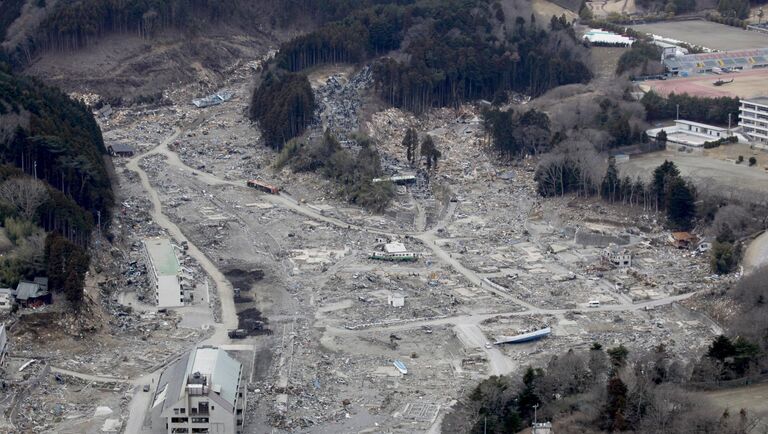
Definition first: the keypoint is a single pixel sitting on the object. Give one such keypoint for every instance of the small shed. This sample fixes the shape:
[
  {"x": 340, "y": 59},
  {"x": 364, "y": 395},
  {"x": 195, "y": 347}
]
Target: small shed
[
  {"x": 121, "y": 150},
  {"x": 31, "y": 294}
]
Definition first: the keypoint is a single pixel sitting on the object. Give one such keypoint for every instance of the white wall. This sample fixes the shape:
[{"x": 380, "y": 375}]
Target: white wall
[{"x": 169, "y": 292}]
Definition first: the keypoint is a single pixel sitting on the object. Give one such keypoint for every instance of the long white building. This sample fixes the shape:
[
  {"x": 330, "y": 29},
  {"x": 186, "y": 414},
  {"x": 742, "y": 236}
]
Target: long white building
[
  {"x": 202, "y": 392},
  {"x": 753, "y": 120},
  {"x": 164, "y": 272}
]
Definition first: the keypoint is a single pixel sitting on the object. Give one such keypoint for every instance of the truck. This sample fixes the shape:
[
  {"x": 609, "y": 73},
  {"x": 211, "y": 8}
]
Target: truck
[
  {"x": 237, "y": 334},
  {"x": 263, "y": 186}
]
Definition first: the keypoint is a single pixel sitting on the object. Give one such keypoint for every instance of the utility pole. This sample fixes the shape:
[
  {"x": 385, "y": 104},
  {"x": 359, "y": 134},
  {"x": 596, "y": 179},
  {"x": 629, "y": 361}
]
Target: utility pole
[
  {"x": 729, "y": 123},
  {"x": 535, "y": 407},
  {"x": 677, "y": 117}
]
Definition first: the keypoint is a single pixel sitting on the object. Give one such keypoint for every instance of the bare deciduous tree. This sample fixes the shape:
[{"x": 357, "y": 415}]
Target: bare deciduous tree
[{"x": 24, "y": 194}]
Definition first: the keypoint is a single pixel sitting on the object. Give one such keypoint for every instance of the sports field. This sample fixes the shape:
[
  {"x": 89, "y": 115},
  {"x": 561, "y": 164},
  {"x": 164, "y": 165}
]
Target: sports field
[
  {"x": 707, "y": 34},
  {"x": 747, "y": 84}
]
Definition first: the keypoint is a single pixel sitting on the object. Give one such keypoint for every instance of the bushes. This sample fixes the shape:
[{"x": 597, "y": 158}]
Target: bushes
[
  {"x": 353, "y": 174},
  {"x": 723, "y": 141},
  {"x": 693, "y": 108},
  {"x": 728, "y": 21},
  {"x": 640, "y": 55}
]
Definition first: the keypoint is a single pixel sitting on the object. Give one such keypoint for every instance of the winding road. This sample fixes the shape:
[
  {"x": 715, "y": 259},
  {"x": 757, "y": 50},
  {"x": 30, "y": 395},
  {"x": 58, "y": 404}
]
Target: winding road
[{"x": 466, "y": 325}]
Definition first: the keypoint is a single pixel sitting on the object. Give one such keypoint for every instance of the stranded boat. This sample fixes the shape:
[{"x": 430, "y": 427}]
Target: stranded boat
[
  {"x": 524, "y": 337},
  {"x": 401, "y": 367}
]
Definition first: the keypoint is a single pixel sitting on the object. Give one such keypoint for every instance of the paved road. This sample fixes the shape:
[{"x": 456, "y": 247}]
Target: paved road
[
  {"x": 466, "y": 324},
  {"x": 141, "y": 400},
  {"x": 473, "y": 337},
  {"x": 476, "y": 319}
]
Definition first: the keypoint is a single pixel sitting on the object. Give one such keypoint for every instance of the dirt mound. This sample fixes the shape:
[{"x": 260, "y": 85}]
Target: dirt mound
[
  {"x": 244, "y": 279},
  {"x": 252, "y": 321}
]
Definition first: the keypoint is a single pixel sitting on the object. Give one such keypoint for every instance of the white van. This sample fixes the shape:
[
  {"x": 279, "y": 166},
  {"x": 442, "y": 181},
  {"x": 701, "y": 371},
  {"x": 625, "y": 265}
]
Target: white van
[{"x": 594, "y": 303}]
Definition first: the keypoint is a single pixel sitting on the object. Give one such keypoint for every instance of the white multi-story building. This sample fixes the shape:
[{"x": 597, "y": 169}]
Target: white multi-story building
[
  {"x": 753, "y": 120},
  {"x": 202, "y": 392},
  {"x": 164, "y": 272}
]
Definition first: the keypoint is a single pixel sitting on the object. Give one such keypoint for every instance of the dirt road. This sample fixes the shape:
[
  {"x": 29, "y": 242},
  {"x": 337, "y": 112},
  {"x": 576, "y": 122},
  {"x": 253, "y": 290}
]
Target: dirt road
[{"x": 756, "y": 254}]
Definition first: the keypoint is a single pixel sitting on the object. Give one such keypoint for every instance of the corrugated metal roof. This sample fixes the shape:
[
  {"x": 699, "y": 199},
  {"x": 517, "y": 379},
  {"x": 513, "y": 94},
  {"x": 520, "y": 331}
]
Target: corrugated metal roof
[
  {"x": 27, "y": 290},
  {"x": 171, "y": 382},
  {"x": 220, "y": 368},
  {"x": 121, "y": 147}
]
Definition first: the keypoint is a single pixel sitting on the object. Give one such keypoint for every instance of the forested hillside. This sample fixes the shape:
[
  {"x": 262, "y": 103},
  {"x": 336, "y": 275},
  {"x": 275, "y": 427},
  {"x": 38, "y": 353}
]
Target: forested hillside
[
  {"x": 53, "y": 182},
  {"x": 463, "y": 50},
  {"x": 56, "y": 139},
  {"x": 430, "y": 53}
]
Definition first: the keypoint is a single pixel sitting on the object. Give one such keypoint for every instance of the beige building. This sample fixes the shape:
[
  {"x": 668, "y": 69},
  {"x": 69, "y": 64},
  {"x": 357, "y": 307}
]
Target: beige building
[{"x": 202, "y": 392}]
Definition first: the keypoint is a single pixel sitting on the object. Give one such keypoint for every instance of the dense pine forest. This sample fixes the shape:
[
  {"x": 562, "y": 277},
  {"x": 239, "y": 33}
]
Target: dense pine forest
[
  {"x": 53, "y": 183},
  {"x": 429, "y": 53},
  {"x": 56, "y": 140},
  {"x": 284, "y": 105}
]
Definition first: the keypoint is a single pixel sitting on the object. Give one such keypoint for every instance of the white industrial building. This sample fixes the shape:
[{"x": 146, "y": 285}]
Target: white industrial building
[
  {"x": 202, "y": 392},
  {"x": 164, "y": 272},
  {"x": 600, "y": 36},
  {"x": 753, "y": 120},
  {"x": 685, "y": 135}
]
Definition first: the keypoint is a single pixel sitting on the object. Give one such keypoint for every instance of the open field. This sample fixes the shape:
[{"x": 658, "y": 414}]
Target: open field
[
  {"x": 706, "y": 34},
  {"x": 753, "y": 398},
  {"x": 748, "y": 84},
  {"x": 605, "y": 7},
  {"x": 546, "y": 10},
  {"x": 710, "y": 171}
]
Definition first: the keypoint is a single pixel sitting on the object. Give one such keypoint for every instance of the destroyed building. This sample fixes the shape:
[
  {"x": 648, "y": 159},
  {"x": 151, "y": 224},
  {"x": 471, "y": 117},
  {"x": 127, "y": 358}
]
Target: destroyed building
[
  {"x": 121, "y": 150},
  {"x": 215, "y": 99},
  {"x": 201, "y": 392},
  {"x": 164, "y": 271},
  {"x": 6, "y": 300},
  {"x": 394, "y": 251},
  {"x": 616, "y": 256},
  {"x": 683, "y": 240},
  {"x": 33, "y": 294}
]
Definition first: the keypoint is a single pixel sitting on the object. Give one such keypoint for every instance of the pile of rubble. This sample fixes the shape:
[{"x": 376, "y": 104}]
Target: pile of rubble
[{"x": 340, "y": 101}]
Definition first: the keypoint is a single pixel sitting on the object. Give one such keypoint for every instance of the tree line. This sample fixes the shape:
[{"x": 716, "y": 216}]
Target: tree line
[
  {"x": 455, "y": 56},
  {"x": 53, "y": 179},
  {"x": 693, "y": 108},
  {"x": 74, "y": 24},
  {"x": 575, "y": 172},
  {"x": 284, "y": 105},
  {"x": 62, "y": 145},
  {"x": 607, "y": 390}
]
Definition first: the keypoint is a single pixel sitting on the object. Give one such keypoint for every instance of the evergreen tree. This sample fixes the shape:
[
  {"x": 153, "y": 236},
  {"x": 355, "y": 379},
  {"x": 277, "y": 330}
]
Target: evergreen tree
[
  {"x": 681, "y": 206},
  {"x": 615, "y": 405},
  {"x": 410, "y": 141},
  {"x": 610, "y": 187},
  {"x": 430, "y": 152}
]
